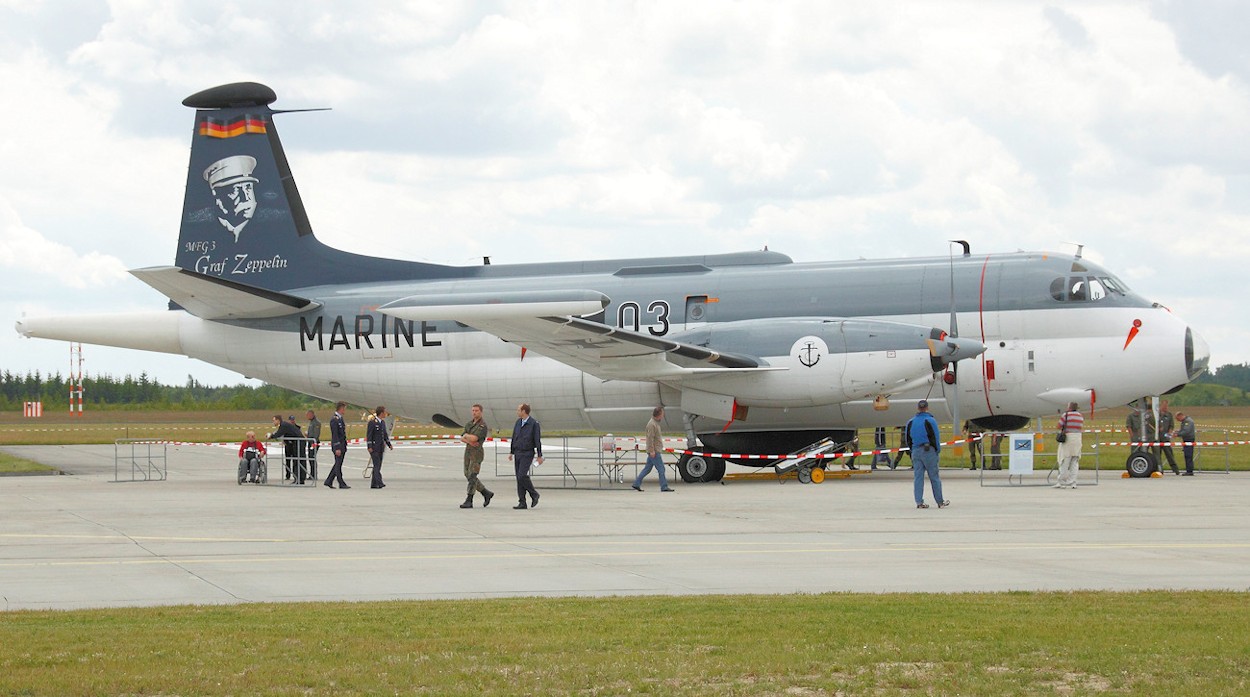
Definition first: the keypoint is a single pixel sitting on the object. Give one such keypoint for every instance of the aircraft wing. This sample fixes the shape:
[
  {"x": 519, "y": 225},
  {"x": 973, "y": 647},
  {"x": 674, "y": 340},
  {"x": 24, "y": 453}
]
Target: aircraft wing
[
  {"x": 548, "y": 323},
  {"x": 209, "y": 297}
]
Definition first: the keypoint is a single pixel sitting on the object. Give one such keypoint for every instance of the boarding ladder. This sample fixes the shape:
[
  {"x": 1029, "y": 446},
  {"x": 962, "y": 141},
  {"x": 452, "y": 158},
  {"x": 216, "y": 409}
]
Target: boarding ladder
[{"x": 803, "y": 460}]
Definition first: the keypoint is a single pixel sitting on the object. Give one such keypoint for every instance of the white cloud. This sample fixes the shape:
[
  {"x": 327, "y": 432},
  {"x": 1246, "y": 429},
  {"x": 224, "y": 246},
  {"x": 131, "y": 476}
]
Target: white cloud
[
  {"x": 54, "y": 264},
  {"x": 530, "y": 131}
]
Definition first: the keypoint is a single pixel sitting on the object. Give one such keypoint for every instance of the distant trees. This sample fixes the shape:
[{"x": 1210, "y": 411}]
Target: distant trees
[
  {"x": 108, "y": 392},
  {"x": 1232, "y": 375}
]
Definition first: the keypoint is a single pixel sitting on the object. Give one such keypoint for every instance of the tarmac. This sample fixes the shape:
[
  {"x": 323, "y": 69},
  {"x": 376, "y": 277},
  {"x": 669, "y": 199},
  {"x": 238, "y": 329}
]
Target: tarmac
[{"x": 196, "y": 537}]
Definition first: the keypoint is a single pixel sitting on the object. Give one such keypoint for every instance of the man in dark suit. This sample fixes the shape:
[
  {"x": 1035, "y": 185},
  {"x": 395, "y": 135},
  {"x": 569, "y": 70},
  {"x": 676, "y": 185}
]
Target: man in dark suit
[
  {"x": 338, "y": 444},
  {"x": 377, "y": 438},
  {"x": 289, "y": 434},
  {"x": 527, "y": 441}
]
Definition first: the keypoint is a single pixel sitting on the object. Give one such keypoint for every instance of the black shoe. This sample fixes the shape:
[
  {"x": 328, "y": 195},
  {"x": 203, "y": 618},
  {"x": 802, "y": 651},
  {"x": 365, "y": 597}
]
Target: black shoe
[
  {"x": 635, "y": 487},
  {"x": 344, "y": 486},
  {"x": 468, "y": 503},
  {"x": 1188, "y": 474},
  {"x": 534, "y": 503},
  {"x": 972, "y": 467},
  {"x": 486, "y": 497},
  {"x": 668, "y": 490},
  {"x": 379, "y": 486},
  {"x": 520, "y": 506},
  {"x": 327, "y": 484}
]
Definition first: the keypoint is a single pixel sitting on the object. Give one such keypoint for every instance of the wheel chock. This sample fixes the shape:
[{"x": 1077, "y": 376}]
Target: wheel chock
[{"x": 1156, "y": 475}]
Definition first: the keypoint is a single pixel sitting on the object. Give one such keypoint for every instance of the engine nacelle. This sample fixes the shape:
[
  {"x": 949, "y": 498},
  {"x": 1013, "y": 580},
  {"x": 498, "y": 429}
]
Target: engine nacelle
[{"x": 824, "y": 360}]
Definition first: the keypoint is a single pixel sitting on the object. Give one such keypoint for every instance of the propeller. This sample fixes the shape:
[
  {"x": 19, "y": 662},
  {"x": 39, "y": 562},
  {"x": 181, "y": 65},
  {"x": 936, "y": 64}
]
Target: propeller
[{"x": 952, "y": 378}]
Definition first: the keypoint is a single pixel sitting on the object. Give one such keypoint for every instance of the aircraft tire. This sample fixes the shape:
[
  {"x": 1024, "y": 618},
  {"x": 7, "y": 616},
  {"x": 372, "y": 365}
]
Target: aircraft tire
[
  {"x": 1141, "y": 463},
  {"x": 716, "y": 471},
  {"x": 692, "y": 468}
]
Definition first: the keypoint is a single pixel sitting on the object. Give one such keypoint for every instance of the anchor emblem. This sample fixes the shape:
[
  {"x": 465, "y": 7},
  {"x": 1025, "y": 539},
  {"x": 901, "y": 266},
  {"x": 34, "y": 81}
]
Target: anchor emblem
[{"x": 806, "y": 357}]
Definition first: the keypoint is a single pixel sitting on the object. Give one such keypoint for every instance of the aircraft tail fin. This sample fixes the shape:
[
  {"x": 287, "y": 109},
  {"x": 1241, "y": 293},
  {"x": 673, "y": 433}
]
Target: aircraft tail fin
[{"x": 243, "y": 218}]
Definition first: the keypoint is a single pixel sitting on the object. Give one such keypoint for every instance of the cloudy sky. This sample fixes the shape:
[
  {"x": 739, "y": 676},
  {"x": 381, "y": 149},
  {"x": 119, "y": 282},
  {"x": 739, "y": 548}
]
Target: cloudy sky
[{"x": 533, "y": 131}]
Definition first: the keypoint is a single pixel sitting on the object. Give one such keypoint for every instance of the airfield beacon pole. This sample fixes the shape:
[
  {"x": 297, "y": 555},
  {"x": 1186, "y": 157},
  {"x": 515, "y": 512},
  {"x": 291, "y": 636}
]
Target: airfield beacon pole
[{"x": 75, "y": 378}]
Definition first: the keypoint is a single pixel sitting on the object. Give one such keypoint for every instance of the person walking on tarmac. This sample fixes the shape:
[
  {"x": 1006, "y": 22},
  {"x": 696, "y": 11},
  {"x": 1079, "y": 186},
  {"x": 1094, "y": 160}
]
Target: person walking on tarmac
[
  {"x": 922, "y": 438},
  {"x": 338, "y": 444},
  {"x": 655, "y": 450},
  {"x": 474, "y": 438},
  {"x": 377, "y": 438},
  {"x": 527, "y": 445}
]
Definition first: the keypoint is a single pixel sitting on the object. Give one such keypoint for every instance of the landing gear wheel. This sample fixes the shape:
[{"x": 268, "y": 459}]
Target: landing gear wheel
[
  {"x": 805, "y": 475},
  {"x": 692, "y": 468},
  {"x": 715, "y": 470},
  {"x": 1141, "y": 463},
  {"x": 818, "y": 475}
]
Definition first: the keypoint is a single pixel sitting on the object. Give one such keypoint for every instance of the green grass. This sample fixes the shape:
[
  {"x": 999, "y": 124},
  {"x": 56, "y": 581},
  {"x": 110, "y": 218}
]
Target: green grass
[
  {"x": 10, "y": 464},
  {"x": 1179, "y": 643}
]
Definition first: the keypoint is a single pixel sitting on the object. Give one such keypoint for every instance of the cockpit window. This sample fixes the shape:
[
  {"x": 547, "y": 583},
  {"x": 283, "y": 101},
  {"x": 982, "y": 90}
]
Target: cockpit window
[
  {"x": 1082, "y": 288},
  {"x": 1114, "y": 285}
]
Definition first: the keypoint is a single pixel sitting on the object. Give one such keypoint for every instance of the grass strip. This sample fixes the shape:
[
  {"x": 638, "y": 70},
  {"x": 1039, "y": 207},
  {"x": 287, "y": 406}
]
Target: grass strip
[
  {"x": 1150, "y": 643},
  {"x": 11, "y": 464}
]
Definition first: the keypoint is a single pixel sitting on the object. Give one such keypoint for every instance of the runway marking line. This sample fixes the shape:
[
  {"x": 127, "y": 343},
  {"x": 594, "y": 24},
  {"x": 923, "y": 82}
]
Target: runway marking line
[{"x": 537, "y": 554}]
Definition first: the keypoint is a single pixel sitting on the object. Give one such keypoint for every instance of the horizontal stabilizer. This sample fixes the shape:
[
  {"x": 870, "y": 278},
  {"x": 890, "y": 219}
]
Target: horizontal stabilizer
[{"x": 209, "y": 297}]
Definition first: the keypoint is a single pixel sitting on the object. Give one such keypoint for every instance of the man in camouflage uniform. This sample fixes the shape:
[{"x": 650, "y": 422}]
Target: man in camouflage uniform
[{"x": 475, "y": 433}]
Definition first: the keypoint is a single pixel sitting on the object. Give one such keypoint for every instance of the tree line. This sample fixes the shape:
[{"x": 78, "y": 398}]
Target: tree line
[
  {"x": 129, "y": 392},
  {"x": 142, "y": 392}
]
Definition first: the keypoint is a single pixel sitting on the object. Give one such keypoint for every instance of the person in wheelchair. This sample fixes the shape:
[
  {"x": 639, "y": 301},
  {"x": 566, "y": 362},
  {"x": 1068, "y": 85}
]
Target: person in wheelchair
[{"x": 251, "y": 459}]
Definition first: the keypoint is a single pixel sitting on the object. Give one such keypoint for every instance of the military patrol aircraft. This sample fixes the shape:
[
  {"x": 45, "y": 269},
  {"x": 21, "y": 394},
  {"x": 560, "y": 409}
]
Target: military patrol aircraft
[{"x": 751, "y": 352}]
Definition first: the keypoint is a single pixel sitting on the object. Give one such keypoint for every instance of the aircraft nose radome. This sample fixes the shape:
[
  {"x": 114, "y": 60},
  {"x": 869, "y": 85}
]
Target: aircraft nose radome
[{"x": 1197, "y": 354}]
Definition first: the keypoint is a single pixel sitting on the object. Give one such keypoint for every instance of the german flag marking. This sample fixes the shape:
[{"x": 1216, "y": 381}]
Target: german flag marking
[{"x": 229, "y": 128}]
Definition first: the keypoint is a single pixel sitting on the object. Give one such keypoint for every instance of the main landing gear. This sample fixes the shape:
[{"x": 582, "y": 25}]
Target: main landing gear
[
  {"x": 1141, "y": 463},
  {"x": 697, "y": 468}
]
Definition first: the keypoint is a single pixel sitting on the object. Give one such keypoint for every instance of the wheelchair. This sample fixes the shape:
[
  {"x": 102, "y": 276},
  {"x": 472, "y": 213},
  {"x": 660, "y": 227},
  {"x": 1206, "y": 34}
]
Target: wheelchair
[{"x": 262, "y": 469}]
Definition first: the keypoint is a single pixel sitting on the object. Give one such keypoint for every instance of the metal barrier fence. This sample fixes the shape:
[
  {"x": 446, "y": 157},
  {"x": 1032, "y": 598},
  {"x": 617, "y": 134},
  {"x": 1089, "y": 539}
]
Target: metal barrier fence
[
  {"x": 299, "y": 468},
  {"x": 1044, "y": 448},
  {"x": 607, "y": 461},
  {"x": 146, "y": 465}
]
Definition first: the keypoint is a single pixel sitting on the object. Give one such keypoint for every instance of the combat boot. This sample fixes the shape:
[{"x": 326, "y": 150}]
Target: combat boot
[
  {"x": 486, "y": 497},
  {"x": 468, "y": 502}
]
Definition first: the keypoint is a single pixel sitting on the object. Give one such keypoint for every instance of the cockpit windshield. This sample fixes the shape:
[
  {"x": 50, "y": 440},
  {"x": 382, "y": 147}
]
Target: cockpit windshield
[{"x": 1085, "y": 288}]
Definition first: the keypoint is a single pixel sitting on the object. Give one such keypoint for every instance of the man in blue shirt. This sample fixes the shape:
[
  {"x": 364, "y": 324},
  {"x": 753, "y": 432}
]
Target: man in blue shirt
[{"x": 922, "y": 437}]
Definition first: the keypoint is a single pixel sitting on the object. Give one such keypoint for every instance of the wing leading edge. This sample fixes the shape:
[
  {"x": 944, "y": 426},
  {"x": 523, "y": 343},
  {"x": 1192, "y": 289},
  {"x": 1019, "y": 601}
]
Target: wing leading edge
[{"x": 552, "y": 323}]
